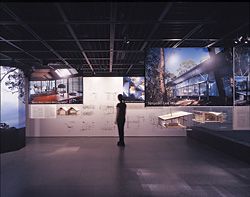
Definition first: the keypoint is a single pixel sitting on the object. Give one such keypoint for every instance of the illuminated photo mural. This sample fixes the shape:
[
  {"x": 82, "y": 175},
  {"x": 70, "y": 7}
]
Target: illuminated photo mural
[
  {"x": 242, "y": 75},
  {"x": 189, "y": 77},
  {"x": 56, "y": 86},
  {"x": 134, "y": 89},
  {"x": 12, "y": 99}
]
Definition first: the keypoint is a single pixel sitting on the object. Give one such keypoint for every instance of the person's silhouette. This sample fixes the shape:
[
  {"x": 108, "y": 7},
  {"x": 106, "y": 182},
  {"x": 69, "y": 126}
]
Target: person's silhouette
[{"x": 120, "y": 119}]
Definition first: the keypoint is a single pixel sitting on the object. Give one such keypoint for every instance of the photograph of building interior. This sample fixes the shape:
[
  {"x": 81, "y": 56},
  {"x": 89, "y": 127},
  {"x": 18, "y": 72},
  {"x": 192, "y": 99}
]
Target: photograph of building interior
[
  {"x": 124, "y": 99},
  {"x": 65, "y": 87}
]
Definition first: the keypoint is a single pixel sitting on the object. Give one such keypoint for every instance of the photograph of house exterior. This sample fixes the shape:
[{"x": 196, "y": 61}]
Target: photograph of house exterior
[
  {"x": 242, "y": 76},
  {"x": 189, "y": 77}
]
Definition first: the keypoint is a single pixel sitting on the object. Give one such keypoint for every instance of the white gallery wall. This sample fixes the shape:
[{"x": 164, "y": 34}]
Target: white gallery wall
[
  {"x": 96, "y": 115},
  {"x": 241, "y": 118}
]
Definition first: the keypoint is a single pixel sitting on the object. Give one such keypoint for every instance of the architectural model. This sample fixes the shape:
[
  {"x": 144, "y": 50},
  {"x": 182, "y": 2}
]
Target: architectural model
[
  {"x": 67, "y": 111},
  {"x": 173, "y": 120},
  {"x": 208, "y": 116}
]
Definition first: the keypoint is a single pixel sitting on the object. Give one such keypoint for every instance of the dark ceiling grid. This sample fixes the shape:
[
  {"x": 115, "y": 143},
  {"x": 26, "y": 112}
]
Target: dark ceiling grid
[
  {"x": 94, "y": 60},
  {"x": 76, "y": 55},
  {"x": 188, "y": 35},
  {"x": 166, "y": 44},
  {"x": 91, "y": 24},
  {"x": 100, "y": 54},
  {"x": 5, "y": 16},
  {"x": 133, "y": 58},
  {"x": 139, "y": 58},
  {"x": 128, "y": 70},
  {"x": 20, "y": 49},
  {"x": 113, "y": 9},
  {"x": 26, "y": 27},
  {"x": 163, "y": 14},
  {"x": 13, "y": 32},
  {"x": 12, "y": 60},
  {"x": 228, "y": 34},
  {"x": 65, "y": 19},
  {"x": 17, "y": 55}
]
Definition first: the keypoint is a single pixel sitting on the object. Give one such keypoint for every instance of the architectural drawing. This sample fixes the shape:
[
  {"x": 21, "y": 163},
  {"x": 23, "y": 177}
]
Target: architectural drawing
[
  {"x": 108, "y": 126},
  {"x": 111, "y": 96},
  {"x": 86, "y": 126},
  {"x": 133, "y": 122},
  {"x": 70, "y": 124},
  {"x": 107, "y": 109},
  {"x": 88, "y": 110}
]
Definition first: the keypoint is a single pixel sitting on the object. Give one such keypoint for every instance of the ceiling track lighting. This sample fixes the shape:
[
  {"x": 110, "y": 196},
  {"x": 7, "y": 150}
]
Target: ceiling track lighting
[
  {"x": 241, "y": 40},
  {"x": 126, "y": 40}
]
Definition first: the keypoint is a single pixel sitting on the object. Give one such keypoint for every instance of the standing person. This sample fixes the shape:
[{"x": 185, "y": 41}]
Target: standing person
[{"x": 120, "y": 119}]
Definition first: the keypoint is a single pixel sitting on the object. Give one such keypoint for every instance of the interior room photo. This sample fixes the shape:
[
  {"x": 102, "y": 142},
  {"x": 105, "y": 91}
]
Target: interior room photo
[{"x": 128, "y": 99}]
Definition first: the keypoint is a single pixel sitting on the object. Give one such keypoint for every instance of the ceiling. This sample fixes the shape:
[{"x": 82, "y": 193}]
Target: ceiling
[{"x": 111, "y": 38}]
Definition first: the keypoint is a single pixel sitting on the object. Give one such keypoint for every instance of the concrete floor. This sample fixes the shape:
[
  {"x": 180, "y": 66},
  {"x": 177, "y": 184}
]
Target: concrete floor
[{"x": 147, "y": 166}]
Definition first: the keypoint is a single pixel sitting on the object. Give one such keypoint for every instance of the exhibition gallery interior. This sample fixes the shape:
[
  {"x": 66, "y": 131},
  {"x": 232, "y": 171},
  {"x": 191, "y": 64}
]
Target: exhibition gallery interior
[{"x": 125, "y": 99}]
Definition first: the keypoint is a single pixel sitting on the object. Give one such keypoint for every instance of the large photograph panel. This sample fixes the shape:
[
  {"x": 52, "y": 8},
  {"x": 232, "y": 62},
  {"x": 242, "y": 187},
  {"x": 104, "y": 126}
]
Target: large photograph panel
[
  {"x": 242, "y": 76},
  {"x": 49, "y": 86},
  {"x": 12, "y": 98},
  {"x": 189, "y": 77}
]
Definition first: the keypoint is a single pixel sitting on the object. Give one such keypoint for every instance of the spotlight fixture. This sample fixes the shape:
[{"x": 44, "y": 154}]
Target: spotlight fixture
[
  {"x": 241, "y": 40},
  {"x": 126, "y": 40}
]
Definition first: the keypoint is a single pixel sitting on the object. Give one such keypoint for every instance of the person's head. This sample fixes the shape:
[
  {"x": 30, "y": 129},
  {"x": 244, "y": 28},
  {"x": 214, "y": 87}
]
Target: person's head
[{"x": 120, "y": 97}]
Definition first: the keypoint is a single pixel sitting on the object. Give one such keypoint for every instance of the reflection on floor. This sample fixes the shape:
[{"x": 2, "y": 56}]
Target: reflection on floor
[{"x": 150, "y": 166}]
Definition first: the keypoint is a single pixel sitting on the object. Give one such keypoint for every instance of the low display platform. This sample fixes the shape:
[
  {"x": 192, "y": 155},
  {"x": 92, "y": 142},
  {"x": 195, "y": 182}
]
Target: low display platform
[
  {"x": 235, "y": 143},
  {"x": 12, "y": 139}
]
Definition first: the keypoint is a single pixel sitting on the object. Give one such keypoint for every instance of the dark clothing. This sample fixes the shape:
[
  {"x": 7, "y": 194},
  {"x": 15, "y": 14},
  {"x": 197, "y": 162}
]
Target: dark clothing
[
  {"x": 121, "y": 107},
  {"x": 121, "y": 131},
  {"x": 122, "y": 112}
]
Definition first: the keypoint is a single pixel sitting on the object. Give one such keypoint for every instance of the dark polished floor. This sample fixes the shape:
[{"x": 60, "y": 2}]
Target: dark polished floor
[{"x": 150, "y": 166}]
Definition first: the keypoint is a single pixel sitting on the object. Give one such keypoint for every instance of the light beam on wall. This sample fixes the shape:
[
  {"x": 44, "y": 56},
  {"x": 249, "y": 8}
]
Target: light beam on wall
[
  {"x": 65, "y": 72},
  {"x": 62, "y": 72}
]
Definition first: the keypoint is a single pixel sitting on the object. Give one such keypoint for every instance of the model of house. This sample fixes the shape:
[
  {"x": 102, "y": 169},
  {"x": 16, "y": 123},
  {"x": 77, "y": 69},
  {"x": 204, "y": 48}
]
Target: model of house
[
  {"x": 173, "y": 120},
  {"x": 67, "y": 111},
  {"x": 73, "y": 111},
  {"x": 203, "y": 116},
  {"x": 62, "y": 111}
]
